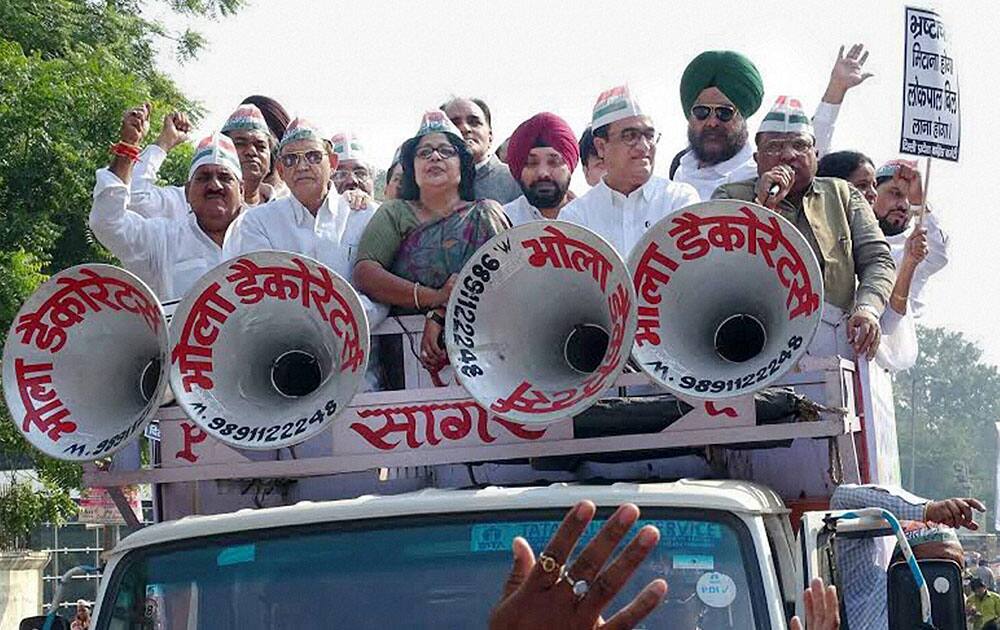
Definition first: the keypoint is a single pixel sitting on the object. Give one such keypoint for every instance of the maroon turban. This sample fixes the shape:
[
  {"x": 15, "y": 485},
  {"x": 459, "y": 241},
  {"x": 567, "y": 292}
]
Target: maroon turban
[{"x": 541, "y": 130}]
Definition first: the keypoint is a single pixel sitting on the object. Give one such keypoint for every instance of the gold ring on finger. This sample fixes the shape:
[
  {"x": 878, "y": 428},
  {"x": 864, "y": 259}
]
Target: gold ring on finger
[{"x": 548, "y": 563}]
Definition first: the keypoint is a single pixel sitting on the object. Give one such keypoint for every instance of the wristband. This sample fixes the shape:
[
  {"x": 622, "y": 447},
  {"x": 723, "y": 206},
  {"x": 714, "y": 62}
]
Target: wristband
[
  {"x": 125, "y": 150},
  {"x": 435, "y": 317},
  {"x": 416, "y": 299}
]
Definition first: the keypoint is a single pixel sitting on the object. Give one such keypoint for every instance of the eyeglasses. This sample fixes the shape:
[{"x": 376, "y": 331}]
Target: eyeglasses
[
  {"x": 631, "y": 137},
  {"x": 291, "y": 159},
  {"x": 777, "y": 147},
  {"x": 724, "y": 113},
  {"x": 358, "y": 173},
  {"x": 445, "y": 151}
]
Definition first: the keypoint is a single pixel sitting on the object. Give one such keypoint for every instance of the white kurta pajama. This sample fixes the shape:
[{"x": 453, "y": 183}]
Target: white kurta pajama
[
  {"x": 898, "y": 349},
  {"x": 622, "y": 220},
  {"x": 167, "y": 254}
]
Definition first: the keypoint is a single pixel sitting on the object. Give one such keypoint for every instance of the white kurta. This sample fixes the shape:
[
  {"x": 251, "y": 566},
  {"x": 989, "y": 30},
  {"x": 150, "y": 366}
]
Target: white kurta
[
  {"x": 331, "y": 237},
  {"x": 742, "y": 166},
  {"x": 898, "y": 349},
  {"x": 168, "y": 255},
  {"x": 149, "y": 199},
  {"x": 622, "y": 220},
  {"x": 706, "y": 179},
  {"x": 520, "y": 212}
]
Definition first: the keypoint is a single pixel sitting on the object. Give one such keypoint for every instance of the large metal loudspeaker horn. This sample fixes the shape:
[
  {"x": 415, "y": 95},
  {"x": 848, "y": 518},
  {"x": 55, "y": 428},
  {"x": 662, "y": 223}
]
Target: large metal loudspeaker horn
[
  {"x": 267, "y": 349},
  {"x": 729, "y": 296},
  {"x": 84, "y": 365},
  {"x": 540, "y": 321}
]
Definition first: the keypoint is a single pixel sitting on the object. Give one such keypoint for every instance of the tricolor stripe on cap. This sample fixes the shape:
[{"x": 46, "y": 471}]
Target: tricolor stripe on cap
[
  {"x": 300, "y": 129},
  {"x": 435, "y": 121},
  {"x": 614, "y": 105},
  {"x": 216, "y": 149},
  {"x": 347, "y": 147},
  {"x": 248, "y": 118},
  {"x": 786, "y": 116}
]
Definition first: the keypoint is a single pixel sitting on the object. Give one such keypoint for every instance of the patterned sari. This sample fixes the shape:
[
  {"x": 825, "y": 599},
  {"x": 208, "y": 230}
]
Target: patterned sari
[{"x": 437, "y": 249}]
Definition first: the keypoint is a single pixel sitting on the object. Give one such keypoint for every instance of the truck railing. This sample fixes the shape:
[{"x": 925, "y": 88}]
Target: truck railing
[{"x": 426, "y": 426}]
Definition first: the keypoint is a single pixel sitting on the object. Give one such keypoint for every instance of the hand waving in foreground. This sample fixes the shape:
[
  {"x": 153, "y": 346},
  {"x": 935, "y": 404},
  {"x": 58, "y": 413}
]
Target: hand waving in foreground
[{"x": 543, "y": 593}]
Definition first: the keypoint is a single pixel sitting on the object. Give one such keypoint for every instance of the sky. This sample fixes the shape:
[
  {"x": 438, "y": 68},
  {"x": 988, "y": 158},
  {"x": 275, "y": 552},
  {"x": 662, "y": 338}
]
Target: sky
[{"x": 373, "y": 67}]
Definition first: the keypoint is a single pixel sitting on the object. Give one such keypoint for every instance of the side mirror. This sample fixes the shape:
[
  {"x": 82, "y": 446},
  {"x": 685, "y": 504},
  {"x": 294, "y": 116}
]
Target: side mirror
[
  {"x": 55, "y": 622},
  {"x": 944, "y": 581}
]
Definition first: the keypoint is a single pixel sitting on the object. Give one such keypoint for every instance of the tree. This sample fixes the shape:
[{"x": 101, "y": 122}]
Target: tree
[
  {"x": 68, "y": 70},
  {"x": 946, "y": 407}
]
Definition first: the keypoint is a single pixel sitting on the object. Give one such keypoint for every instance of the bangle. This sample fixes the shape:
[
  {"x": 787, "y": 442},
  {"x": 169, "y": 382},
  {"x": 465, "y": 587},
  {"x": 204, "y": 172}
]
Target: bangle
[
  {"x": 416, "y": 299},
  {"x": 125, "y": 150}
]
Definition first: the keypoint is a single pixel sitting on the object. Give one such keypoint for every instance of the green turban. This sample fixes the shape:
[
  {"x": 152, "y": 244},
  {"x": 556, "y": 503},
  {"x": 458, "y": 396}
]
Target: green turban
[{"x": 731, "y": 72}]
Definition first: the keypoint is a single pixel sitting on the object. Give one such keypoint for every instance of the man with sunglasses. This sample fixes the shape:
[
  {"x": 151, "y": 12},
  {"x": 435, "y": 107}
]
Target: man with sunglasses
[
  {"x": 168, "y": 254},
  {"x": 313, "y": 220},
  {"x": 720, "y": 90},
  {"x": 354, "y": 176},
  {"x": 254, "y": 144},
  {"x": 833, "y": 217},
  {"x": 629, "y": 199}
]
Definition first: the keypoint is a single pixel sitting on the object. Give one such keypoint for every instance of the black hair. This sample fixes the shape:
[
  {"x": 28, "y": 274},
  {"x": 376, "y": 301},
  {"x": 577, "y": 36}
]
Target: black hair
[
  {"x": 841, "y": 164},
  {"x": 479, "y": 102},
  {"x": 587, "y": 148},
  {"x": 408, "y": 188},
  {"x": 388, "y": 174},
  {"x": 275, "y": 116}
]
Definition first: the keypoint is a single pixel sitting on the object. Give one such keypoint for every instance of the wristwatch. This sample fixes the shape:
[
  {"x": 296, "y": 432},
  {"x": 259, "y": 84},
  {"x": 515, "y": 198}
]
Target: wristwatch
[{"x": 433, "y": 316}]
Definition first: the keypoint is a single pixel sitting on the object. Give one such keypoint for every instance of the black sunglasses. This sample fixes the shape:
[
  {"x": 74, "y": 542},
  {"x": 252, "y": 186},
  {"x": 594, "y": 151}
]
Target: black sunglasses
[{"x": 724, "y": 113}]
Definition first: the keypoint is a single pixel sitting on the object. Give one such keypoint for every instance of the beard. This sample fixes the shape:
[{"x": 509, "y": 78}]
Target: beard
[
  {"x": 731, "y": 143},
  {"x": 892, "y": 229},
  {"x": 546, "y": 193}
]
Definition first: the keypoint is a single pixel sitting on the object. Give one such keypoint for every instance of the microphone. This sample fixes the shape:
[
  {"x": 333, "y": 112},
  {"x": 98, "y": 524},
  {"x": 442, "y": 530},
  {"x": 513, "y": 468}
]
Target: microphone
[{"x": 773, "y": 190}]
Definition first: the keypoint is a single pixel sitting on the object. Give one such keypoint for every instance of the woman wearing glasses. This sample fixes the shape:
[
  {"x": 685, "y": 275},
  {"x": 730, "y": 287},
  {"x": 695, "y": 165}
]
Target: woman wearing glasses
[{"x": 413, "y": 246}]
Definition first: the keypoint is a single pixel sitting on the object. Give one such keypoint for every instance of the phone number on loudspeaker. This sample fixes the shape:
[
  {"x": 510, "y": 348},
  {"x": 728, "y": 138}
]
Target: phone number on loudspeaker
[
  {"x": 242, "y": 433},
  {"x": 733, "y": 384},
  {"x": 464, "y": 314}
]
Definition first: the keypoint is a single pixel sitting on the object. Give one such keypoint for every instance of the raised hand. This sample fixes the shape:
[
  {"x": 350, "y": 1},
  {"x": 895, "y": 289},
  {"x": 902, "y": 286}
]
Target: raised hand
[
  {"x": 176, "y": 127},
  {"x": 848, "y": 72},
  {"x": 545, "y": 594},
  {"x": 135, "y": 124}
]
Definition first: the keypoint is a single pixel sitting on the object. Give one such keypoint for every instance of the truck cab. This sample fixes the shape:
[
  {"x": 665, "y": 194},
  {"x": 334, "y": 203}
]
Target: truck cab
[{"x": 438, "y": 558}]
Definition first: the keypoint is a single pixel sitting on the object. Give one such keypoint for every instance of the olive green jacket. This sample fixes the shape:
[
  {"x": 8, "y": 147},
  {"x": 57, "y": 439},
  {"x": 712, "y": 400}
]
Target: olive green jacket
[{"x": 844, "y": 234}]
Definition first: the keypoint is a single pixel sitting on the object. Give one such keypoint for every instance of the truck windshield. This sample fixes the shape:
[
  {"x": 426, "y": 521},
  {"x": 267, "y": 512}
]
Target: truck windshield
[{"x": 444, "y": 571}]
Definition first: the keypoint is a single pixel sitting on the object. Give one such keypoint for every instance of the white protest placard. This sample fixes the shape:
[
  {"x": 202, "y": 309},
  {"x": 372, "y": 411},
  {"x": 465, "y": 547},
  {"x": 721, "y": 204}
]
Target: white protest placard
[{"x": 931, "y": 116}]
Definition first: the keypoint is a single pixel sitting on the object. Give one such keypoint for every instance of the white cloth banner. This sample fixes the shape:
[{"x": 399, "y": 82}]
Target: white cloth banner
[{"x": 931, "y": 117}]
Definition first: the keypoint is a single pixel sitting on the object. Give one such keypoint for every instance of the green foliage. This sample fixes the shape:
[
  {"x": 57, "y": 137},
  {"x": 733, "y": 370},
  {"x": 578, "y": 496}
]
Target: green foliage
[
  {"x": 23, "y": 507},
  {"x": 946, "y": 407},
  {"x": 68, "y": 70}
]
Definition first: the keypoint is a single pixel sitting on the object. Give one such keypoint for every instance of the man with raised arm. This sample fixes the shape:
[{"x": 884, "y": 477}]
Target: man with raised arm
[
  {"x": 720, "y": 90},
  {"x": 542, "y": 154},
  {"x": 254, "y": 143},
  {"x": 832, "y": 215},
  {"x": 629, "y": 199},
  {"x": 168, "y": 254}
]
